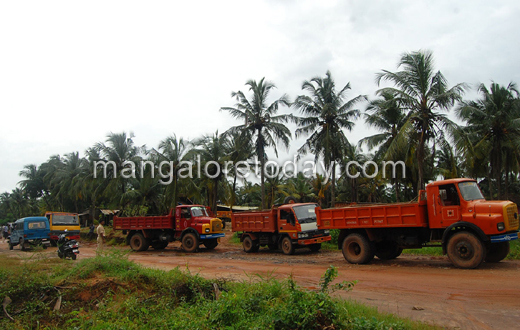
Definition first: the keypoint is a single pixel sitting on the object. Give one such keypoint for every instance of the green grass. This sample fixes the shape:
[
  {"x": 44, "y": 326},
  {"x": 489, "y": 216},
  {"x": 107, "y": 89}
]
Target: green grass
[{"x": 111, "y": 292}]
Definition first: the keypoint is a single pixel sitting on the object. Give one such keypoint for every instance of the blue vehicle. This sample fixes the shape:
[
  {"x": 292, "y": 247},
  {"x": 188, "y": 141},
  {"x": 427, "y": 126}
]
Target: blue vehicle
[{"x": 30, "y": 231}]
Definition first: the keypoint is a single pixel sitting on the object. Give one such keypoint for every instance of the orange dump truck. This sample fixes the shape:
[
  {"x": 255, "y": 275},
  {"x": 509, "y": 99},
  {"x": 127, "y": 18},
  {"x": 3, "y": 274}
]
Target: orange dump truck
[
  {"x": 285, "y": 227},
  {"x": 451, "y": 213}
]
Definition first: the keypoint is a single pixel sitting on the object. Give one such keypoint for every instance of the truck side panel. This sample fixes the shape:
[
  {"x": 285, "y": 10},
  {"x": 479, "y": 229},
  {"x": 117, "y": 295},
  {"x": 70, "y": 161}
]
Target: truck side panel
[
  {"x": 139, "y": 223},
  {"x": 375, "y": 216},
  {"x": 254, "y": 221}
]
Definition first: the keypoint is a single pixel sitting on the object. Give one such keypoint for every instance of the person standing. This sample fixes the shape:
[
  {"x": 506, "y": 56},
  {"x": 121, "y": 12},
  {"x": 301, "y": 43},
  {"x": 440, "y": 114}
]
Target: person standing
[
  {"x": 5, "y": 232},
  {"x": 100, "y": 230}
]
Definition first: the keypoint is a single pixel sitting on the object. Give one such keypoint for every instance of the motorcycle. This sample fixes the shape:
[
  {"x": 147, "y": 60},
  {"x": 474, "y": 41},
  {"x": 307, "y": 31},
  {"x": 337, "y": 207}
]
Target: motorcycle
[{"x": 67, "y": 247}]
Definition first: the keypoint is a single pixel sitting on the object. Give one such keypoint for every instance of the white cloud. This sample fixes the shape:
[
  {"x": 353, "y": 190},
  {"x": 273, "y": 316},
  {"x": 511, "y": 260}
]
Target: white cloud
[{"x": 71, "y": 72}]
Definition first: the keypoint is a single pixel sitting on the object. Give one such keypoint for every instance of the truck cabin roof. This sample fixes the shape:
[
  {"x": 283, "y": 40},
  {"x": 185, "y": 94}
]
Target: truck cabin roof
[{"x": 448, "y": 181}]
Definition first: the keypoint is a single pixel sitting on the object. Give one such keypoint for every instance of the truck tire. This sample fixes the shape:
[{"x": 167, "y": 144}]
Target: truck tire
[
  {"x": 190, "y": 242},
  {"x": 496, "y": 252},
  {"x": 138, "y": 242},
  {"x": 210, "y": 244},
  {"x": 357, "y": 249},
  {"x": 388, "y": 250},
  {"x": 465, "y": 250},
  {"x": 287, "y": 246},
  {"x": 289, "y": 200},
  {"x": 249, "y": 245},
  {"x": 10, "y": 245},
  {"x": 315, "y": 247}
]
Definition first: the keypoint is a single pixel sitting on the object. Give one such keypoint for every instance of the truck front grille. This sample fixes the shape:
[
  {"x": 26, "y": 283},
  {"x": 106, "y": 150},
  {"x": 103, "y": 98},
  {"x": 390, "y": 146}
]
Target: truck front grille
[
  {"x": 216, "y": 225},
  {"x": 512, "y": 217}
]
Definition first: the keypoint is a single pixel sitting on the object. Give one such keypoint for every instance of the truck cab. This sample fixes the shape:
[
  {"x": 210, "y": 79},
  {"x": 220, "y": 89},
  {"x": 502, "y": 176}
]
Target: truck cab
[
  {"x": 288, "y": 227},
  {"x": 457, "y": 201}
]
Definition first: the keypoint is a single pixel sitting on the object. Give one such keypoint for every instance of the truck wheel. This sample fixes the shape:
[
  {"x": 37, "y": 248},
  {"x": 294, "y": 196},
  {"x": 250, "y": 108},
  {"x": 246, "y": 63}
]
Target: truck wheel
[
  {"x": 210, "y": 244},
  {"x": 190, "y": 242},
  {"x": 356, "y": 249},
  {"x": 249, "y": 245},
  {"x": 138, "y": 242},
  {"x": 287, "y": 246},
  {"x": 10, "y": 245},
  {"x": 289, "y": 200},
  {"x": 22, "y": 244},
  {"x": 315, "y": 247},
  {"x": 465, "y": 250},
  {"x": 496, "y": 252},
  {"x": 388, "y": 250}
]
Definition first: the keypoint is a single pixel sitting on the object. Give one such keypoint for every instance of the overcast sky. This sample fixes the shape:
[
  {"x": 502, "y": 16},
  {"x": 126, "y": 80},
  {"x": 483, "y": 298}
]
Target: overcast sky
[{"x": 71, "y": 72}]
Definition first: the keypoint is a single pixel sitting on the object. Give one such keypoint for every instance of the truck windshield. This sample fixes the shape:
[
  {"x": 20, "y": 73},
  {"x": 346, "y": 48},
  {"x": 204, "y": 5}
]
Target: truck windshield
[
  {"x": 470, "y": 191},
  {"x": 305, "y": 213},
  {"x": 64, "y": 220},
  {"x": 198, "y": 212}
]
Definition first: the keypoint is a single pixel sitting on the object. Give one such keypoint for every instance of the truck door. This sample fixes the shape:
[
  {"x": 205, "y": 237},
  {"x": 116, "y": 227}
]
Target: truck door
[
  {"x": 183, "y": 218},
  {"x": 449, "y": 205},
  {"x": 287, "y": 222}
]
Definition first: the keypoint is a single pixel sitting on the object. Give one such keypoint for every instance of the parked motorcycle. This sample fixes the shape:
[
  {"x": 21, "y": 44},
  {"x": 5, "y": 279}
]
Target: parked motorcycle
[{"x": 67, "y": 247}]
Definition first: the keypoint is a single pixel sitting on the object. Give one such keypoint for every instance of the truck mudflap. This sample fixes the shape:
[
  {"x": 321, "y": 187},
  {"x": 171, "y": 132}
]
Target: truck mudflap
[
  {"x": 505, "y": 237},
  {"x": 314, "y": 240},
  {"x": 208, "y": 236}
]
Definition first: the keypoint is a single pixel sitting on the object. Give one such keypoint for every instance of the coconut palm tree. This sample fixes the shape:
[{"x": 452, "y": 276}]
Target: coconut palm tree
[
  {"x": 386, "y": 115},
  {"x": 213, "y": 154},
  {"x": 423, "y": 93},
  {"x": 326, "y": 113},
  {"x": 492, "y": 132},
  {"x": 120, "y": 149},
  {"x": 261, "y": 121},
  {"x": 239, "y": 149},
  {"x": 174, "y": 151}
]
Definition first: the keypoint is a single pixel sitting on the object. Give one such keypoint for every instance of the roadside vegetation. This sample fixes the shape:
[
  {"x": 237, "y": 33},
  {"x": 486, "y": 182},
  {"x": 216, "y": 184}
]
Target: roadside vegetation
[{"x": 111, "y": 292}]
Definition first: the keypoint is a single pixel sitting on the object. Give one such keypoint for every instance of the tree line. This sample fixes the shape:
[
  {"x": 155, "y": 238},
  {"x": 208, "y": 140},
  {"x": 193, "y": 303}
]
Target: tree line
[{"x": 411, "y": 119}]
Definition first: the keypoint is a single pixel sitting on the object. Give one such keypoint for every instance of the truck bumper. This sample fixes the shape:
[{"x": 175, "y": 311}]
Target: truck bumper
[
  {"x": 208, "y": 236},
  {"x": 505, "y": 237},
  {"x": 314, "y": 240}
]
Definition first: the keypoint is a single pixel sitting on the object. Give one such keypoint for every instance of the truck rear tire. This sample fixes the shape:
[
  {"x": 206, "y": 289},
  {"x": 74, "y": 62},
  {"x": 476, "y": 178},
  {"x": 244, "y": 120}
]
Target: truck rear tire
[
  {"x": 249, "y": 245},
  {"x": 465, "y": 250},
  {"x": 210, "y": 244},
  {"x": 357, "y": 249},
  {"x": 496, "y": 252},
  {"x": 287, "y": 246},
  {"x": 138, "y": 242},
  {"x": 388, "y": 250},
  {"x": 190, "y": 242},
  {"x": 315, "y": 247}
]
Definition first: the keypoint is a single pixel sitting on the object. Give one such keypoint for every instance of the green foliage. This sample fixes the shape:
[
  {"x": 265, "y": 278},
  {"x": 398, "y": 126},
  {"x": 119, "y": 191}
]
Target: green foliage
[{"x": 111, "y": 292}]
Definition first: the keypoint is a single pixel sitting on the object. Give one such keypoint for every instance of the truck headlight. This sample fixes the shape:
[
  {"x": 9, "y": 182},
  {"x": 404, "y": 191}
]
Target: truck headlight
[
  {"x": 207, "y": 230},
  {"x": 500, "y": 226},
  {"x": 326, "y": 231}
]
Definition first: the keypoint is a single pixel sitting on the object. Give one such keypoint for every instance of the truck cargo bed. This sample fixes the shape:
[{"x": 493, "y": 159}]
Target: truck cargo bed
[
  {"x": 373, "y": 216},
  {"x": 260, "y": 221},
  {"x": 138, "y": 223}
]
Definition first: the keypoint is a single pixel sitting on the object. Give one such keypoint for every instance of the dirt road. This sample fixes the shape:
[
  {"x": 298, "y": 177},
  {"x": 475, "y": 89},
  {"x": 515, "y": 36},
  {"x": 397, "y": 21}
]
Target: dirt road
[{"x": 428, "y": 289}]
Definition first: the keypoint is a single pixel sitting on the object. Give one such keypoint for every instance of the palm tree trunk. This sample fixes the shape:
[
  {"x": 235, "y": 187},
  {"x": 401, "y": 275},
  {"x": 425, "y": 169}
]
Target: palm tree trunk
[
  {"x": 333, "y": 191},
  {"x": 420, "y": 163}
]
